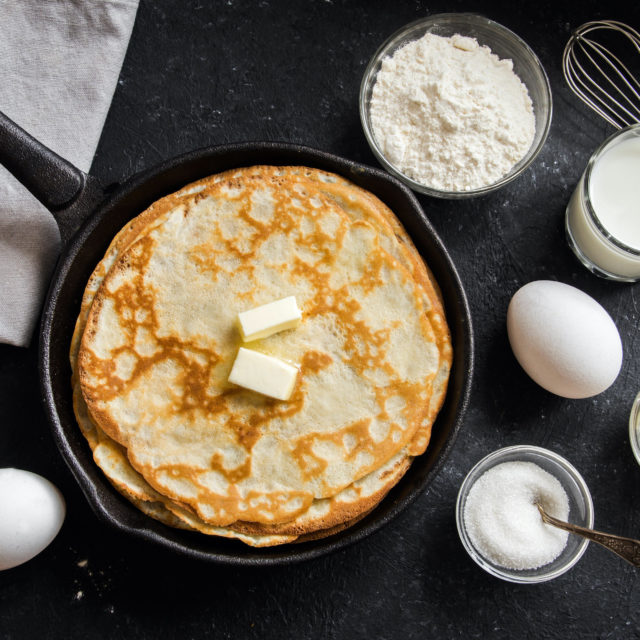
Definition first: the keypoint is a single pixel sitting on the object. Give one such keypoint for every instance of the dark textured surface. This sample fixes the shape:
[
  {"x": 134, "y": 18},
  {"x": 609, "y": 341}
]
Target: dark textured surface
[{"x": 205, "y": 73}]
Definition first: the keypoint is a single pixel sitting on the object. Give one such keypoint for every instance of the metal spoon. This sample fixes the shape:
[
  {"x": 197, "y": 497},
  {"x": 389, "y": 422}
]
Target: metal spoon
[{"x": 627, "y": 548}]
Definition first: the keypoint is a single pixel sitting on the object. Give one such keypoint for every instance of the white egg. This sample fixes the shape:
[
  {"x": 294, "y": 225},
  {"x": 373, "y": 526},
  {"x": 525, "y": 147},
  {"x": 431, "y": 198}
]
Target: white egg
[
  {"x": 564, "y": 339},
  {"x": 31, "y": 513}
]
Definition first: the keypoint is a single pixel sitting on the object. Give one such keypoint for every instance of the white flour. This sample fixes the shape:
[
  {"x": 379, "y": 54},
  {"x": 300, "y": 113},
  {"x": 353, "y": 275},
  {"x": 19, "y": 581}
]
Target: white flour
[{"x": 450, "y": 114}]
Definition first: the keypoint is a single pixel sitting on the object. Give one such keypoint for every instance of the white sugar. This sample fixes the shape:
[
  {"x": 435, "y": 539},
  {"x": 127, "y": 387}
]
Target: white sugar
[{"x": 502, "y": 519}]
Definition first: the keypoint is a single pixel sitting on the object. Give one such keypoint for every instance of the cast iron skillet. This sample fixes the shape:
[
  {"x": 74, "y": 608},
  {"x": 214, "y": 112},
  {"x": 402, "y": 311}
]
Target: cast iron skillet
[{"x": 76, "y": 200}]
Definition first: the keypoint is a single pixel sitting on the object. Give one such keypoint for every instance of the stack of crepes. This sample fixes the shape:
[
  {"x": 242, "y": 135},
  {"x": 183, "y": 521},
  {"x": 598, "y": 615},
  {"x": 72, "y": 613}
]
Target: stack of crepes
[{"x": 157, "y": 335}]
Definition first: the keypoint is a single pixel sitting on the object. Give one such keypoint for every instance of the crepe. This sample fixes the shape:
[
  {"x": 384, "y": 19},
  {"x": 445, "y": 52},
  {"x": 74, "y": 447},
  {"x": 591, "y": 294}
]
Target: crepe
[{"x": 351, "y": 261}]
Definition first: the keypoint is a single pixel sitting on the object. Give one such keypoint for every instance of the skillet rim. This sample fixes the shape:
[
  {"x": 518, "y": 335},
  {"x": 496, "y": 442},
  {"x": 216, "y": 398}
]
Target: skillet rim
[{"x": 112, "y": 508}]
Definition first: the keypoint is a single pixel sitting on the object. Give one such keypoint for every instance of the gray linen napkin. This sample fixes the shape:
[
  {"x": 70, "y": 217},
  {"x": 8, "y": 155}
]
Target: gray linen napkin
[{"x": 59, "y": 65}]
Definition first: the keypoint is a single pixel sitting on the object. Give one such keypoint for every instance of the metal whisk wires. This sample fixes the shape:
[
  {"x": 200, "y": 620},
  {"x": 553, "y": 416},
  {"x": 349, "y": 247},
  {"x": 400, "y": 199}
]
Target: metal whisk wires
[{"x": 598, "y": 76}]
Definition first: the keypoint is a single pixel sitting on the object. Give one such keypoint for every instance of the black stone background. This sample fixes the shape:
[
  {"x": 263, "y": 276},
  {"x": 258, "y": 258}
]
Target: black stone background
[{"x": 202, "y": 73}]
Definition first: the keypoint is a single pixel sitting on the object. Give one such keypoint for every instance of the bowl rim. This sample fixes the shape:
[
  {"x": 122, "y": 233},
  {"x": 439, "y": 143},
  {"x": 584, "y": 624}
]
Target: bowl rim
[
  {"x": 493, "y": 459},
  {"x": 368, "y": 79},
  {"x": 634, "y": 427}
]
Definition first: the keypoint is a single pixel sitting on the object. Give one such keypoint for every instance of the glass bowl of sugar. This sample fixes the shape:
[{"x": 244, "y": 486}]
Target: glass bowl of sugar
[
  {"x": 455, "y": 105},
  {"x": 499, "y": 523}
]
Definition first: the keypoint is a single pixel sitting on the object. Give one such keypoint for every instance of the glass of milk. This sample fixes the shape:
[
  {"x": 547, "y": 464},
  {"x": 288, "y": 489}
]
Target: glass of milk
[{"x": 603, "y": 215}]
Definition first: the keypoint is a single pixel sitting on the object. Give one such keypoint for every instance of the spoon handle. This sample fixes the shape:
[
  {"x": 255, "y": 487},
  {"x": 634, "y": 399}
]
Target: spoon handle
[{"x": 627, "y": 548}]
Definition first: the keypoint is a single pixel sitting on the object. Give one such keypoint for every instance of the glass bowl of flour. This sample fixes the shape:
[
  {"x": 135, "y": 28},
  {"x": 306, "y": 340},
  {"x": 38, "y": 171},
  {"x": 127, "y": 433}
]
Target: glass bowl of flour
[
  {"x": 455, "y": 105},
  {"x": 498, "y": 521}
]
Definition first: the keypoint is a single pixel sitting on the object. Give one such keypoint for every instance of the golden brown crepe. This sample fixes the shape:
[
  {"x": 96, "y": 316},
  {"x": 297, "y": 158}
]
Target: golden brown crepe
[{"x": 156, "y": 337}]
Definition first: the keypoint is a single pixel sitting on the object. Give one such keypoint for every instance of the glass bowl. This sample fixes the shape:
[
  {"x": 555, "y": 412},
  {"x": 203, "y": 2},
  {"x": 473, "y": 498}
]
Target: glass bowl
[
  {"x": 634, "y": 428},
  {"x": 580, "y": 511},
  {"x": 502, "y": 42}
]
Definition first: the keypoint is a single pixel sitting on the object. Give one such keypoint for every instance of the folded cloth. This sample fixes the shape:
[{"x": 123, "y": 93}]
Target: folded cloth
[{"x": 59, "y": 66}]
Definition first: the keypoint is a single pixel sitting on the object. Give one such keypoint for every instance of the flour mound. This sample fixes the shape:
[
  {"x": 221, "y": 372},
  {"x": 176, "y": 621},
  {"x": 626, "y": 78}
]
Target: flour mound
[{"x": 450, "y": 114}]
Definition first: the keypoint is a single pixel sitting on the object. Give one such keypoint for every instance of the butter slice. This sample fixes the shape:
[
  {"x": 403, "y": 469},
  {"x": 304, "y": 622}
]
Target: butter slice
[
  {"x": 265, "y": 374},
  {"x": 269, "y": 318}
]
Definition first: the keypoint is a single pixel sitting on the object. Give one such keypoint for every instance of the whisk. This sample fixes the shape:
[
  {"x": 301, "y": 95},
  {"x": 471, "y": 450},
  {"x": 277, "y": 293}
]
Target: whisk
[{"x": 598, "y": 76}]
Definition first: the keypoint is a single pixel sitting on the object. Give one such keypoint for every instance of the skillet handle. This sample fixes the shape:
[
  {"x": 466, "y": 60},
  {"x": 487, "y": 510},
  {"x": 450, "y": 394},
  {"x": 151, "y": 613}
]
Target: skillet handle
[{"x": 67, "y": 192}]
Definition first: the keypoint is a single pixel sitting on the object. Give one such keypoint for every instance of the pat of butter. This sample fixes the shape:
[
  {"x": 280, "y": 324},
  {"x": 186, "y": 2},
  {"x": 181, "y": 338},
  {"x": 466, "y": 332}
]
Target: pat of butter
[
  {"x": 269, "y": 318},
  {"x": 265, "y": 374}
]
